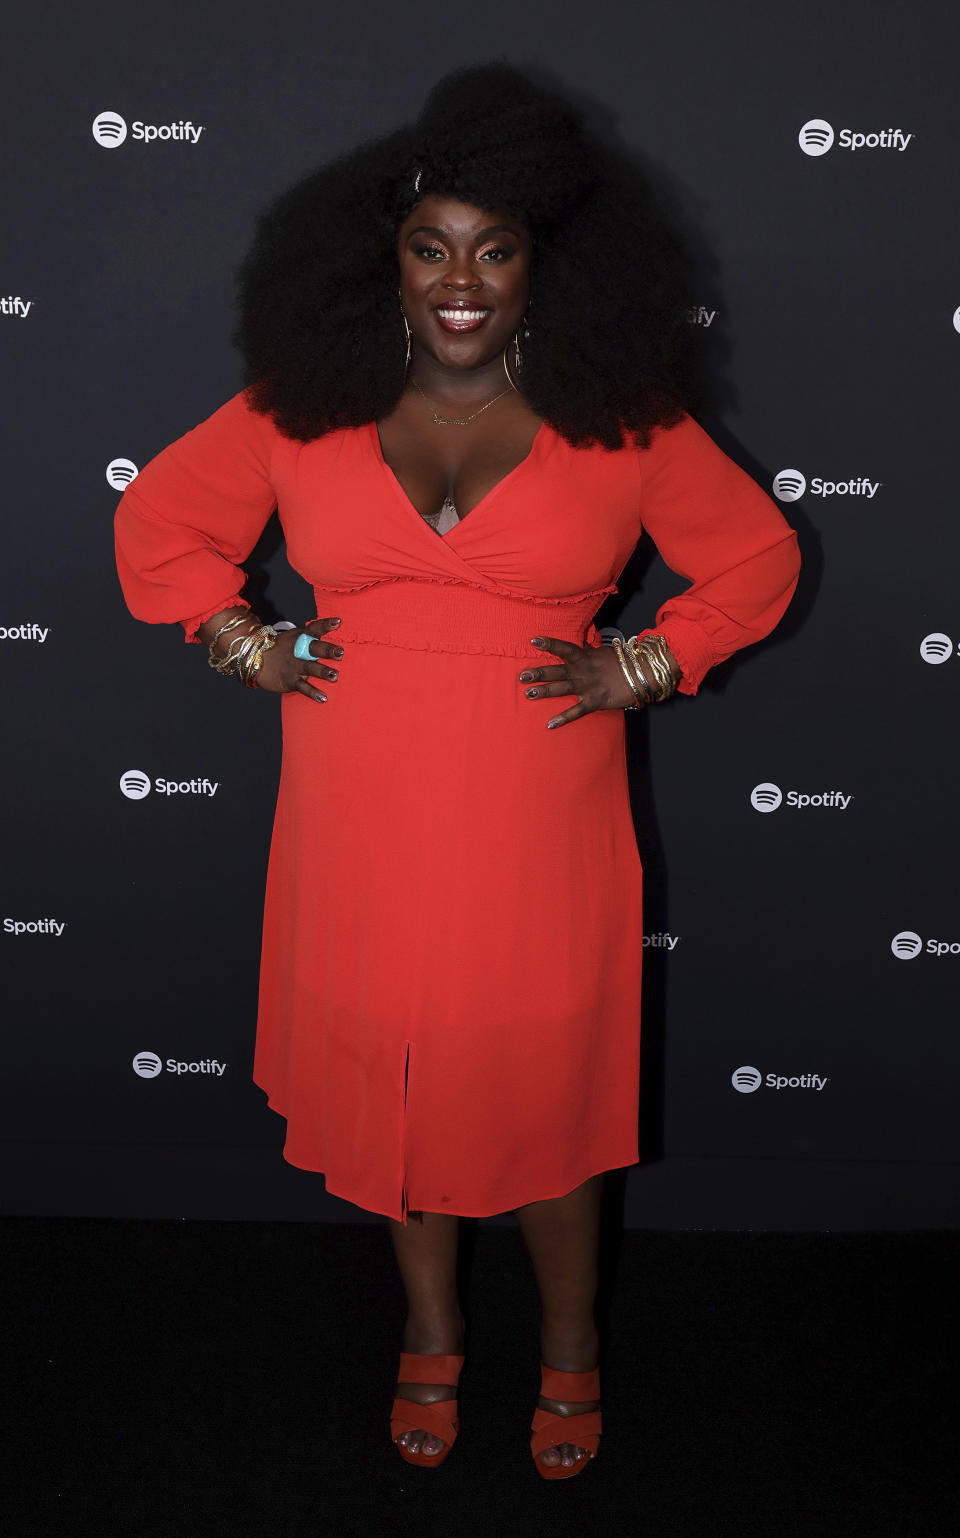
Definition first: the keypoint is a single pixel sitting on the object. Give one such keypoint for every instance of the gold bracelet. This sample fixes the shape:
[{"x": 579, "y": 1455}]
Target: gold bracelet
[
  {"x": 227, "y": 663},
  {"x": 254, "y": 670},
  {"x": 652, "y": 650},
  {"x": 240, "y": 652},
  {"x": 266, "y": 637},
  {"x": 642, "y": 681},
  {"x": 637, "y": 655},
  {"x": 660, "y": 680},
  {"x": 661, "y": 673},
  {"x": 633, "y": 678},
  {"x": 223, "y": 662},
  {"x": 246, "y": 652},
  {"x": 671, "y": 668},
  {"x": 238, "y": 619},
  {"x": 248, "y": 673}
]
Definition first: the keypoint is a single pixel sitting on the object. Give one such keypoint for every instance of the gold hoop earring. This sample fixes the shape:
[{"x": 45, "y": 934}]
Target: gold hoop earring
[
  {"x": 517, "y": 355},
  {"x": 406, "y": 328}
]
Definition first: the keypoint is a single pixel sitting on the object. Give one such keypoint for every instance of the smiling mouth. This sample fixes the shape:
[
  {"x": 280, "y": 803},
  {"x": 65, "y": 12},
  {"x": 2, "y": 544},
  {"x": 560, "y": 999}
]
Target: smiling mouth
[{"x": 455, "y": 318}]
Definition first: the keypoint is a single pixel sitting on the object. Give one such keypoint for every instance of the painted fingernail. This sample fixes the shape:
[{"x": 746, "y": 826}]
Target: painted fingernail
[
  {"x": 532, "y": 694},
  {"x": 525, "y": 677},
  {"x": 322, "y": 696},
  {"x": 555, "y": 722},
  {"x": 338, "y": 651},
  {"x": 536, "y": 640},
  {"x": 334, "y": 622}
]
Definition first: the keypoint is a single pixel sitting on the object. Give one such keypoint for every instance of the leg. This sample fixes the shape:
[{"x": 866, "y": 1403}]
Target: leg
[
  {"x": 426, "y": 1251},
  {"x": 562, "y": 1237}
]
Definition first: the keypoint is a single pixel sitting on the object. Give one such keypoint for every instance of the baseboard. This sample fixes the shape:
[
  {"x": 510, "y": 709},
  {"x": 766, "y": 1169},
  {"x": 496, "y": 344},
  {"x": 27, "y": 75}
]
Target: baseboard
[{"x": 255, "y": 1184}]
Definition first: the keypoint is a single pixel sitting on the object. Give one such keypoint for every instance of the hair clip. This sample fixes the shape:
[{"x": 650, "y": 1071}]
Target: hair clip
[{"x": 416, "y": 182}]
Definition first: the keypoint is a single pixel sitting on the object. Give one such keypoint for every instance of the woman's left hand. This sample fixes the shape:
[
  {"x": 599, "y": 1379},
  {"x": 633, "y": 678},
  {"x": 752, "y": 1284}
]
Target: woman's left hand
[{"x": 592, "y": 673}]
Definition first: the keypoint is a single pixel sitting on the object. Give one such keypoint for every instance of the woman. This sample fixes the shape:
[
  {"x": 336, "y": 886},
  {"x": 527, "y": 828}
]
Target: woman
[{"x": 465, "y": 392}]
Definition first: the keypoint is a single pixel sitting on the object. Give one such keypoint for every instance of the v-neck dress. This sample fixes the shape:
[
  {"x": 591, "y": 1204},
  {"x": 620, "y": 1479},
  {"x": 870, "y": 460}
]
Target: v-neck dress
[{"x": 449, "y": 1009}]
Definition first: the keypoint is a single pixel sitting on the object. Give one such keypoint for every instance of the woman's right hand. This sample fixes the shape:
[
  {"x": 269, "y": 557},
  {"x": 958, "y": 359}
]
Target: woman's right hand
[{"x": 281, "y": 672}]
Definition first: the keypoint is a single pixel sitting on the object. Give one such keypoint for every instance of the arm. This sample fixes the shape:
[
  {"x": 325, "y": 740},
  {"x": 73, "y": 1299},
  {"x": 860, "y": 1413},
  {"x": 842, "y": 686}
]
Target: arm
[
  {"x": 192, "y": 515},
  {"x": 185, "y": 524},
  {"x": 713, "y": 524}
]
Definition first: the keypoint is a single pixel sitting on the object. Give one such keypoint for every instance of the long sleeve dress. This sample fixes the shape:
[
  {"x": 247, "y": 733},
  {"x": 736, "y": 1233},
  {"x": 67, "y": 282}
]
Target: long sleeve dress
[{"x": 449, "y": 1009}]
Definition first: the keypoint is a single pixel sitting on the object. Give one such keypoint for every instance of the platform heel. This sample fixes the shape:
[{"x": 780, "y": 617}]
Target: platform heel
[
  {"x": 550, "y": 1429},
  {"x": 440, "y": 1419}
]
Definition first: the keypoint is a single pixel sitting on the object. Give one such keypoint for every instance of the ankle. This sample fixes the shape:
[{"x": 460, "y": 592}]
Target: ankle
[
  {"x": 437, "y": 1331},
  {"x": 570, "y": 1346}
]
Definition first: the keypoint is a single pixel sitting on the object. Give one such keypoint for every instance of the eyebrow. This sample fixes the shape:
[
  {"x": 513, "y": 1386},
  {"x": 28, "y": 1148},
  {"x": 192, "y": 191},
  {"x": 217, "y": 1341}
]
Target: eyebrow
[{"x": 493, "y": 229}]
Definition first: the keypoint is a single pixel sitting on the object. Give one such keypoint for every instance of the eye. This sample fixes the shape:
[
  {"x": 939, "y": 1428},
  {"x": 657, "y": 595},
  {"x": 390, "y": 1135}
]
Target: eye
[
  {"x": 500, "y": 253},
  {"x": 428, "y": 251}
]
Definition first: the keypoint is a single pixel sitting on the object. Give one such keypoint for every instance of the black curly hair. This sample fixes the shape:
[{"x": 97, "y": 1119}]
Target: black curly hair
[{"x": 607, "y": 354}]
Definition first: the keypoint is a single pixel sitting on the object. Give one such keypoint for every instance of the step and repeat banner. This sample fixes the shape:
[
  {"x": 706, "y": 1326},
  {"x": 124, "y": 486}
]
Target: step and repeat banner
[{"x": 797, "y": 820}]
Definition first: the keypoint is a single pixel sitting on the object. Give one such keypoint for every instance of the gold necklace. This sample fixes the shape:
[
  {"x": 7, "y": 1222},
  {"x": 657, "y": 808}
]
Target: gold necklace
[{"x": 458, "y": 421}]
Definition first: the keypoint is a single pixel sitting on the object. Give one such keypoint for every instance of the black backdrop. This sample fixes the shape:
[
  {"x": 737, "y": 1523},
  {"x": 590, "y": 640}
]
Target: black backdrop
[{"x": 797, "y": 820}]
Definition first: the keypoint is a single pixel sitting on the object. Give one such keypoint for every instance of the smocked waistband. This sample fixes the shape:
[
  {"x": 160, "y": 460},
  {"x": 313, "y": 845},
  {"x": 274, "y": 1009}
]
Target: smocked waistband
[{"x": 426, "y": 615}]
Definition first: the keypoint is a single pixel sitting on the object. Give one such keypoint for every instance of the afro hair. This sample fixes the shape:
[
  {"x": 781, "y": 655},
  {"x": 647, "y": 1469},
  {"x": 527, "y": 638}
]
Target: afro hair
[{"x": 611, "y": 278}]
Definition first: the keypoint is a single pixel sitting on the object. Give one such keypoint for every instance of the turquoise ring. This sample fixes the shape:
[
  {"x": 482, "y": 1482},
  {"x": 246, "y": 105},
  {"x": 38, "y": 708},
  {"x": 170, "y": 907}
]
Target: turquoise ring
[{"x": 302, "y": 648}]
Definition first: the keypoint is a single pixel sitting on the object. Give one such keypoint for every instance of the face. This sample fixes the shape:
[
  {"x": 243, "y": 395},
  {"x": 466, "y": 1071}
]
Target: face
[{"x": 464, "y": 279}]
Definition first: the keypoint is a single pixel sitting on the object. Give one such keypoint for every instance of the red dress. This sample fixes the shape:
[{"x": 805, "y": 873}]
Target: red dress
[{"x": 450, "y": 985}]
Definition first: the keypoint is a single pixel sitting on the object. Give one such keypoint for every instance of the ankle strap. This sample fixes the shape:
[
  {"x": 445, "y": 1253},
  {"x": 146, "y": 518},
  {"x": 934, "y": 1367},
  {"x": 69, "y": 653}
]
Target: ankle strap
[
  {"x": 419, "y": 1367},
  {"x": 569, "y": 1387}
]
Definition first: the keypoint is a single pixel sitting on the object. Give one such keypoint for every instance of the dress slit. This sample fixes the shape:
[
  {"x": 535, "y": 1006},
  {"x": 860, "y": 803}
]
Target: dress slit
[{"x": 403, "y": 1136}]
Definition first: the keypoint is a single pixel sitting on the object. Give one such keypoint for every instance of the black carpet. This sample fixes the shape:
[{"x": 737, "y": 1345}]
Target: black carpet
[{"x": 173, "y": 1378}]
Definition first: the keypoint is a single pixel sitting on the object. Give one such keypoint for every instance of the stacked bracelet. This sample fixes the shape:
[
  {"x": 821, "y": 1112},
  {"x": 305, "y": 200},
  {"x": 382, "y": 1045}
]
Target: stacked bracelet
[
  {"x": 248, "y": 665},
  {"x": 653, "y": 651},
  {"x": 238, "y": 619},
  {"x": 633, "y": 676},
  {"x": 245, "y": 652}
]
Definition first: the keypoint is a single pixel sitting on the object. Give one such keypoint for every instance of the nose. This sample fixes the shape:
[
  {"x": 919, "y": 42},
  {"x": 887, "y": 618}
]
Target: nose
[{"x": 462, "y": 275}]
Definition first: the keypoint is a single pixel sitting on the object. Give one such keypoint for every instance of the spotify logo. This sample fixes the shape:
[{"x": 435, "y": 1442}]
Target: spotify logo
[
  {"x": 135, "y": 784},
  {"x": 789, "y": 485},
  {"x": 747, "y": 1079},
  {"x": 816, "y": 137},
  {"x": 766, "y": 798},
  {"x": 936, "y": 647},
  {"x": 109, "y": 130},
  {"x": 906, "y": 945},
  {"x": 147, "y": 1065},
  {"x": 120, "y": 472}
]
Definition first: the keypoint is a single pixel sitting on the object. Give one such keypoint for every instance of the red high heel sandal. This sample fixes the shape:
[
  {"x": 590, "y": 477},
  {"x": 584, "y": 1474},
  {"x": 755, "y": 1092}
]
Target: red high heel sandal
[
  {"x": 550, "y": 1429},
  {"x": 440, "y": 1419}
]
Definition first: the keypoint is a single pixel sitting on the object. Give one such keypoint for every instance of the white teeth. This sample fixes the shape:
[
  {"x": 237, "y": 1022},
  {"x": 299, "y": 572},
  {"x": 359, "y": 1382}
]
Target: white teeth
[{"x": 461, "y": 314}]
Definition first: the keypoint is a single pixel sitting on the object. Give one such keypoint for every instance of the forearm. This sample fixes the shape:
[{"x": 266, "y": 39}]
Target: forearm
[{"x": 208, "y": 630}]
